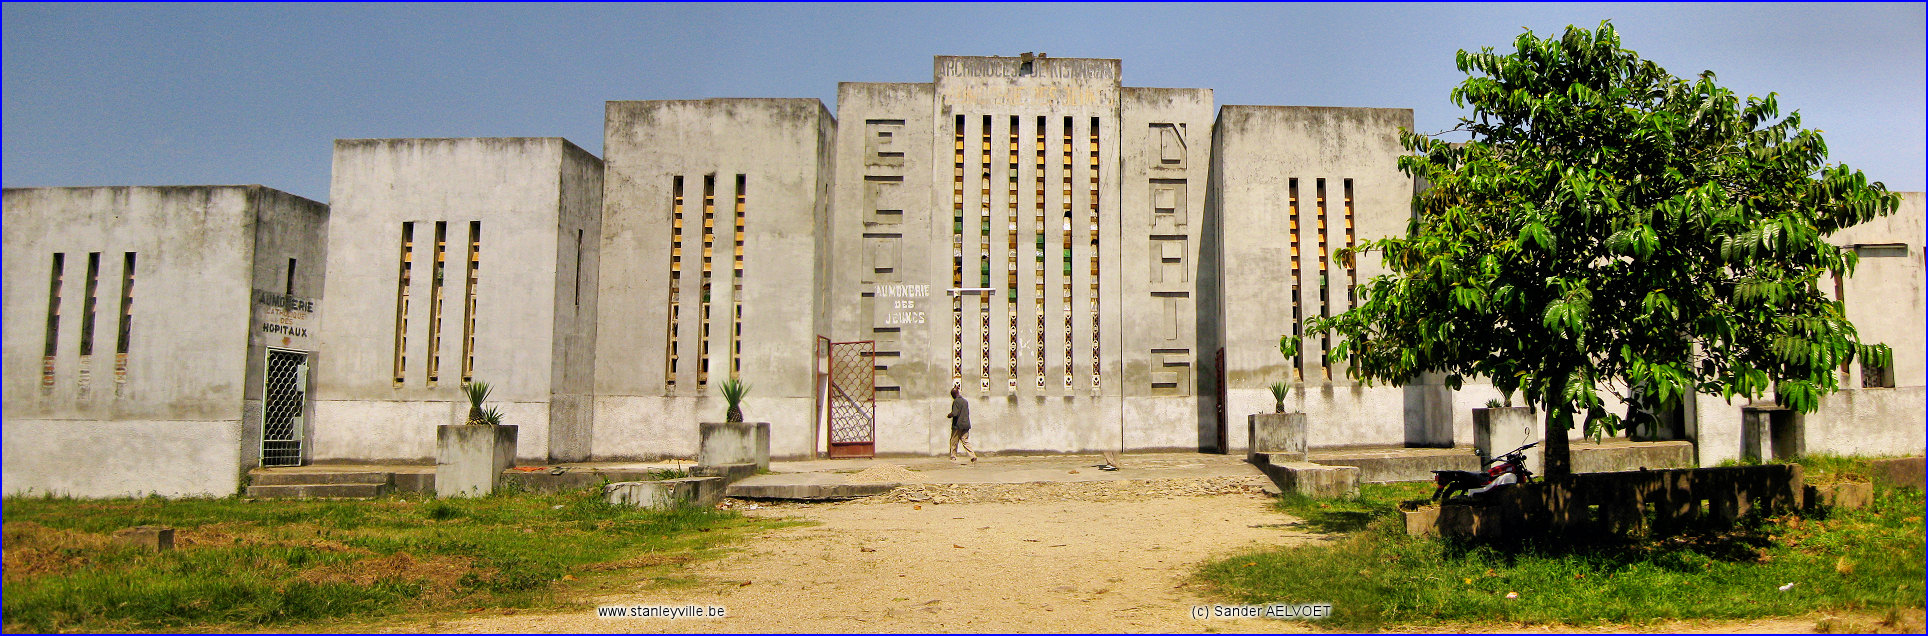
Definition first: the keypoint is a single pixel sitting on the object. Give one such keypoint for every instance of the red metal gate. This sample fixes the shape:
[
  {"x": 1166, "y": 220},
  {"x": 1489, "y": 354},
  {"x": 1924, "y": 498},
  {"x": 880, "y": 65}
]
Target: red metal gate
[{"x": 853, "y": 399}]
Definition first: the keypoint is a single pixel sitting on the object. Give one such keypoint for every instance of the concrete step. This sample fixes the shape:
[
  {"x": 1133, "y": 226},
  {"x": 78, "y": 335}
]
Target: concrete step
[
  {"x": 308, "y": 491},
  {"x": 804, "y": 486},
  {"x": 306, "y": 478}
]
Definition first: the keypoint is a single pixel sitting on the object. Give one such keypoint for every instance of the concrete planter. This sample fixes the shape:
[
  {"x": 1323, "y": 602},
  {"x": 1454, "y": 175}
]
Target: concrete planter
[
  {"x": 469, "y": 460},
  {"x": 1281, "y": 435},
  {"x": 720, "y": 443},
  {"x": 1498, "y": 430}
]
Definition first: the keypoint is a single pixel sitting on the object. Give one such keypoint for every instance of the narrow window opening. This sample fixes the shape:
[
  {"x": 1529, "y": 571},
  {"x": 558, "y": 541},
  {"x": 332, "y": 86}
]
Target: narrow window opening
[
  {"x": 709, "y": 256},
  {"x": 469, "y": 283},
  {"x": 957, "y": 252},
  {"x": 736, "y": 284},
  {"x": 126, "y": 317},
  {"x": 437, "y": 270},
  {"x": 1325, "y": 268},
  {"x": 289, "y": 289},
  {"x": 1298, "y": 276},
  {"x": 675, "y": 280},
  {"x": 577, "y": 292},
  {"x": 53, "y": 321},
  {"x": 401, "y": 301},
  {"x": 91, "y": 300},
  {"x": 984, "y": 258},
  {"x": 1070, "y": 341},
  {"x": 1037, "y": 265},
  {"x": 1011, "y": 256},
  {"x": 1096, "y": 364},
  {"x": 1352, "y": 260}
]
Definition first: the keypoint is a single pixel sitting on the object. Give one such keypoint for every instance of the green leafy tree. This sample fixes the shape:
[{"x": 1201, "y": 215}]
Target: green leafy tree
[{"x": 1612, "y": 227}]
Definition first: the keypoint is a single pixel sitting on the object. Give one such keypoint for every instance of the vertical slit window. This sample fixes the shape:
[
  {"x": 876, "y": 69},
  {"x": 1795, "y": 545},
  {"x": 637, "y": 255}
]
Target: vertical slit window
[
  {"x": 1352, "y": 260},
  {"x": 401, "y": 301},
  {"x": 1096, "y": 364},
  {"x": 1011, "y": 253},
  {"x": 1325, "y": 269},
  {"x": 957, "y": 251},
  {"x": 290, "y": 288},
  {"x": 709, "y": 256},
  {"x": 736, "y": 284},
  {"x": 437, "y": 268},
  {"x": 53, "y": 321},
  {"x": 1298, "y": 276},
  {"x": 1069, "y": 340},
  {"x": 984, "y": 258},
  {"x": 576, "y": 294},
  {"x": 126, "y": 317},
  {"x": 675, "y": 280},
  {"x": 90, "y": 301},
  {"x": 1037, "y": 265},
  {"x": 473, "y": 275}
]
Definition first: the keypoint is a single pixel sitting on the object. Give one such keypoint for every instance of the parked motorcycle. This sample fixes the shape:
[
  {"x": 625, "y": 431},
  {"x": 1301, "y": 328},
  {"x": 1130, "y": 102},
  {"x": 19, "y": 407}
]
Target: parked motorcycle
[{"x": 1506, "y": 469}]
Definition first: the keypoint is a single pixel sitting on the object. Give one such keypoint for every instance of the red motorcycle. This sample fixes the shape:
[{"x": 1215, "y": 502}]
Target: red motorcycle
[{"x": 1498, "y": 472}]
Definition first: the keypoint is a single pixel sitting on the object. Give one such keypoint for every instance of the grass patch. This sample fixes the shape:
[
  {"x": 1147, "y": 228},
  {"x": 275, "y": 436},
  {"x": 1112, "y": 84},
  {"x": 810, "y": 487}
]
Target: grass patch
[
  {"x": 1868, "y": 560},
  {"x": 241, "y": 564}
]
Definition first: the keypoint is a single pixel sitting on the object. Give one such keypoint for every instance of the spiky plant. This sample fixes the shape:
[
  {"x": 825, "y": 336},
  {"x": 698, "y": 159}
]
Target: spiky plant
[
  {"x": 492, "y": 416},
  {"x": 477, "y": 392},
  {"x": 1279, "y": 389},
  {"x": 733, "y": 391}
]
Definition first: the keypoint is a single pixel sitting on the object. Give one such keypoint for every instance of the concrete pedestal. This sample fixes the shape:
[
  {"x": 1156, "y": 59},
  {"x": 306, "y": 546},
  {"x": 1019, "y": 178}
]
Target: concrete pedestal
[
  {"x": 721, "y": 443},
  {"x": 1498, "y": 430},
  {"x": 1771, "y": 432},
  {"x": 469, "y": 460},
  {"x": 1277, "y": 433}
]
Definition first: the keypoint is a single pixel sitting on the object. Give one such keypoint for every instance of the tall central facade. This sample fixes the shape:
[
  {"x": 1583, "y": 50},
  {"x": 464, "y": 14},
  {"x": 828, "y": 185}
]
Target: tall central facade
[
  {"x": 1030, "y": 232},
  {"x": 1025, "y": 229}
]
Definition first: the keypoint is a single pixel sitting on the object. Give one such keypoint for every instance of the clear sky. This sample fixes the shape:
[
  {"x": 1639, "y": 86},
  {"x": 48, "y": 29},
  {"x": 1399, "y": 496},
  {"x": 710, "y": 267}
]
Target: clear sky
[{"x": 240, "y": 93}]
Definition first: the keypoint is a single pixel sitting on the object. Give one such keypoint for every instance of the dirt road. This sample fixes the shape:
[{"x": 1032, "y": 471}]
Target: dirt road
[
  {"x": 1046, "y": 564},
  {"x": 1092, "y": 557}
]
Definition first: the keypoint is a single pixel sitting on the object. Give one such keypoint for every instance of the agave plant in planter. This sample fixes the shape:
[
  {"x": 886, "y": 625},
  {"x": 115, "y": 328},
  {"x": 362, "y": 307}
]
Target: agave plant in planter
[
  {"x": 470, "y": 457},
  {"x": 733, "y": 391},
  {"x": 1279, "y": 390},
  {"x": 480, "y": 415}
]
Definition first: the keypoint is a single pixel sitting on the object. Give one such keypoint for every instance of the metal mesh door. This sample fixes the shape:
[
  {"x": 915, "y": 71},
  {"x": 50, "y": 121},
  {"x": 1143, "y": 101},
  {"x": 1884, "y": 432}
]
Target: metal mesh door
[
  {"x": 853, "y": 399},
  {"x": 283, "y": 401}
]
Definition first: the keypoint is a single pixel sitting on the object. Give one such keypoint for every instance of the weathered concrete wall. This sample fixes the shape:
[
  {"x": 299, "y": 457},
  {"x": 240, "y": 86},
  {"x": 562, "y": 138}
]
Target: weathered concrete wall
[
  {"x": 1262, "y": 152},
  {"x": 578, "y": 251},
  {"x": 170, "y": 421},
  {"x": 776, "y": 146},
  {"x": 122, "y": 457},
  {"x": 1885, "y": 295},
  {"x": 1168, "y": 338},
  {"x": 1884, "y": 298},
  {"x": 993, "y": 164},
  {"x": 890, "y": 229},
  {"x": 528, "y": 194},
  {"x": 289, "y": 268}
]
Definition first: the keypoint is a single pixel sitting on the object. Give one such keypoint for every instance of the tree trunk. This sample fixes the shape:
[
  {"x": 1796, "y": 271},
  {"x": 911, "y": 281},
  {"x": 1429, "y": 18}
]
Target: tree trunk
[{"x": 1557, "y": 461}]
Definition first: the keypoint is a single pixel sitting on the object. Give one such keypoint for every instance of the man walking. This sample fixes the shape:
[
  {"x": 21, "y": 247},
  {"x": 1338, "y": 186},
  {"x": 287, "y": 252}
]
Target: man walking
[{"x": 961, "y": 425}]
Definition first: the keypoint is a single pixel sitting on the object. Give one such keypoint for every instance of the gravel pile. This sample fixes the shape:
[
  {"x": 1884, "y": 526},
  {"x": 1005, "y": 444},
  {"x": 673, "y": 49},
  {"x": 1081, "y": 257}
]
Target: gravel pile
[
  {"x": 1120, "y": 490},
  {"x": 885, "y": 474}
]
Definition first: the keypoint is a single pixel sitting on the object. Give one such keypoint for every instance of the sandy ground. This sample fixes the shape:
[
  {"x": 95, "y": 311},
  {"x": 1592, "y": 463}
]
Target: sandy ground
[
  {"x": 1034, "y": 566},
  {"x": 1005, "y": 558}
]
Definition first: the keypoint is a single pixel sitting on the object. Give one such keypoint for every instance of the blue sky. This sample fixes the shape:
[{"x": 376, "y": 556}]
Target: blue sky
[{"x": 242, "y": 93}]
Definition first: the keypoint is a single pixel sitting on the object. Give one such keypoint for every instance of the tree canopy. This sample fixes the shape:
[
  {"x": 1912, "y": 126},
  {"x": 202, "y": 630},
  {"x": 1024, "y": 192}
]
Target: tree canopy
[{"x": 1610, "y": 226}]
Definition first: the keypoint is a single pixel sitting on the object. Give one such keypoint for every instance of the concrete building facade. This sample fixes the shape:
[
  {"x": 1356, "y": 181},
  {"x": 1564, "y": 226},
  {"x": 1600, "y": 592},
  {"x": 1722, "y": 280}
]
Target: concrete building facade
[
  {"x": 458, "y": 260},
  {"x": 158, "y": 338},
  {"x": 1096, "y": 266}
]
